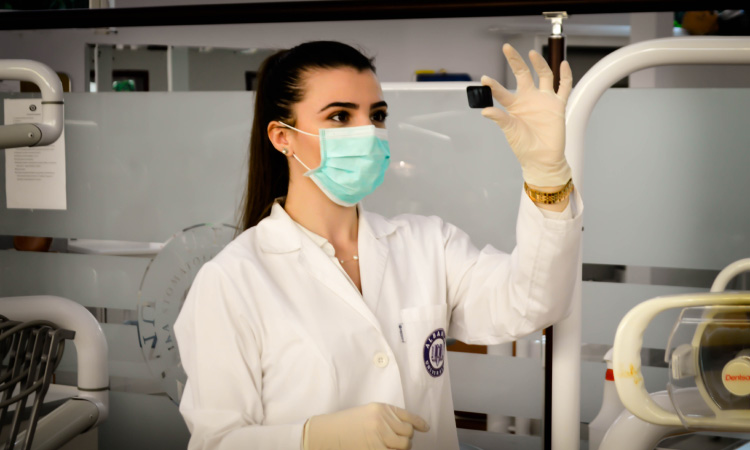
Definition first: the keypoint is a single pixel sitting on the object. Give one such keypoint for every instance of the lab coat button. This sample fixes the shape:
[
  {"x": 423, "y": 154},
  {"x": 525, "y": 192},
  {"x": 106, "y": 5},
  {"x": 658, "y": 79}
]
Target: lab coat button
[{"x": 380, "y": 359}]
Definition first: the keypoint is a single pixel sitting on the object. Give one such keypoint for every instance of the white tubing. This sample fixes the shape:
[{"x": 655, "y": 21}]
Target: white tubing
[
  {"x": 729, "y": 272},
  {"x": 51, "y": 87},
  {"x": 91, "y": 345},
  {"x": 566, "y": 374},
  {"x": 566, "y": 358}
]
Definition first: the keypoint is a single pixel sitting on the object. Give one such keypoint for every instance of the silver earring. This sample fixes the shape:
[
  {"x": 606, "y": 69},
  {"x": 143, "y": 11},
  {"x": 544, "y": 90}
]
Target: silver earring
[{"x": 285, "y": 151}]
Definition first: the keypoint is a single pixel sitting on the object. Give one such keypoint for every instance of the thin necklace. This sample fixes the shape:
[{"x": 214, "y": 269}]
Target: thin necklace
[{"x": 353, "y": 258}]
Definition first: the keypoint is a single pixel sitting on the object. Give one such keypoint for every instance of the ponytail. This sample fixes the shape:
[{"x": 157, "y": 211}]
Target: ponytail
[{"x": 268, "y": 174}]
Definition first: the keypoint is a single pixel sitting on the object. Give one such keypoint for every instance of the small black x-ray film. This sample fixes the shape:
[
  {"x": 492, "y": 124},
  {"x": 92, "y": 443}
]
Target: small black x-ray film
[{"x": 479, "y": 96}]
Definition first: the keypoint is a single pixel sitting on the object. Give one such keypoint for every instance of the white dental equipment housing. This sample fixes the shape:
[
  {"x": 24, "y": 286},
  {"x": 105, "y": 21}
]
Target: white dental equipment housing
[
  {"x": 709, "y": 379},
  {"x": 49, "y": 129}
]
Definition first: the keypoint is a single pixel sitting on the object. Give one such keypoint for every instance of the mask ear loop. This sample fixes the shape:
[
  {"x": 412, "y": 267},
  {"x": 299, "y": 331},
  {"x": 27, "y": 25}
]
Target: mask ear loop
[
  {"x": 294, "y": 155},
  {"x": 295, "y": 129},
  {"x": 300, "y": 161}
]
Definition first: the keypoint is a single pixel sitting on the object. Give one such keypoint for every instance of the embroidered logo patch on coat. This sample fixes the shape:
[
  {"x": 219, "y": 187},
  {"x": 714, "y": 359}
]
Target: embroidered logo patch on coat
[{"x": 434, "y": 352}]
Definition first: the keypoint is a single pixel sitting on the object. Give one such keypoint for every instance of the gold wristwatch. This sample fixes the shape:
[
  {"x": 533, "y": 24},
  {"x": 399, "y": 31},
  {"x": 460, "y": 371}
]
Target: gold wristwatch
[{"x": 549, "y": 198}]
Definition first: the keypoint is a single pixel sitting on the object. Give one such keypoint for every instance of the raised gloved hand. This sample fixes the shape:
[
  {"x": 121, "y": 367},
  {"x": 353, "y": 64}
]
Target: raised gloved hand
[
  {"x": 534, "y": 123},
  {"x": 369, "y": 427}
]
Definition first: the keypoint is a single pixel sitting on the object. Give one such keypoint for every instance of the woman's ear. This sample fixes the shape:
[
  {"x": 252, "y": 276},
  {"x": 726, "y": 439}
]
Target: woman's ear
[{"x": 278, "y": 135}]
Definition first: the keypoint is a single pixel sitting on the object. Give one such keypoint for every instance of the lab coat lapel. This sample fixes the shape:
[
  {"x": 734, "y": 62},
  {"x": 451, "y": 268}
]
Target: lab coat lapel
[
  {"x": 320, "y": 266},
  {"x": 373, "y": 256},
  {"x": 279, "y": 234}
]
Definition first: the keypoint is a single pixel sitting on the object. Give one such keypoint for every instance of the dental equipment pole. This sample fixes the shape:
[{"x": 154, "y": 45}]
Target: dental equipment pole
[
  {"x": 556, "y": 48},
  {"x": 566, "y": 358},
  {"x": 51, "y": 126}
]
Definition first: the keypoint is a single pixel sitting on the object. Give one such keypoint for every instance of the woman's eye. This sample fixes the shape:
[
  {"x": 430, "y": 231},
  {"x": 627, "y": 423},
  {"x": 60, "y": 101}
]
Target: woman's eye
[
  {"x": 341, "y": 116},
  {"x": 379, "y": 116}
]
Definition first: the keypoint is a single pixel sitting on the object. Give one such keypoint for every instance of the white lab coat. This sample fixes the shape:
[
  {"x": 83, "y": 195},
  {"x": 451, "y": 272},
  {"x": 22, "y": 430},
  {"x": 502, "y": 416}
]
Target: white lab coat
[{"x": 273, "y": 332}]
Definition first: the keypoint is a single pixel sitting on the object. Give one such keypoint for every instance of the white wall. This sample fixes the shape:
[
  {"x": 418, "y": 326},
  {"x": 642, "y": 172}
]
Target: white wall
[{"x": 645, "y": 26}]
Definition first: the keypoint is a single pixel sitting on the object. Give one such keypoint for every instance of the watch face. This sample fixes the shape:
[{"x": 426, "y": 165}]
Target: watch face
[{"x": 163, "y": 290}]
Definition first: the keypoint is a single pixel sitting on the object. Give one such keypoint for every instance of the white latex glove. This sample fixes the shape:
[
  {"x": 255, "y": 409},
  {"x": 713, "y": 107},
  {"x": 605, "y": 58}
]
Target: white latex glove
[
  {"x": 534, "y": 123},
  {"x": 370, "y": 427}
]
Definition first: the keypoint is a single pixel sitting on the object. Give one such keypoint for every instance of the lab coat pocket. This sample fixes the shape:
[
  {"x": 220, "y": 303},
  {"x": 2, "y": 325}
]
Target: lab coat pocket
[{"x": 424, "y": 338}]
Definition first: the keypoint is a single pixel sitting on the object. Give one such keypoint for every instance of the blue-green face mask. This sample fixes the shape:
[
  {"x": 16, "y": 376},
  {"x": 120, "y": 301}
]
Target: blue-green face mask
[{"x": 353, "y": 161}]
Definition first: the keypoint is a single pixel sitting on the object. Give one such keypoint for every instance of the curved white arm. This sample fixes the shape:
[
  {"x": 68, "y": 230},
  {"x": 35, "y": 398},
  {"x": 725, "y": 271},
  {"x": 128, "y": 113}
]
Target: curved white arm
[
  {"x": 90, "y": 342},
  {"x": 51, "y": 126},
  {"x": 566, "y": 359},
  {"x": 627, "y": 350},
  {"x": 635, "y": 57},
  {"x": 729, "y": 272}
]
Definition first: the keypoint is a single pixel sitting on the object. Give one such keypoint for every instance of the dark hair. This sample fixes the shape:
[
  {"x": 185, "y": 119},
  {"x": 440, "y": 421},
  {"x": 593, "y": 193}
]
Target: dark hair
[{"x": 280, "y": 80}]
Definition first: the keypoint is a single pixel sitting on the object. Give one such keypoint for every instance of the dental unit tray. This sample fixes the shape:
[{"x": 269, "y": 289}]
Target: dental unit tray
[
  {"x": 30, "y": 351},
  {"x": 708, "y": 354}
]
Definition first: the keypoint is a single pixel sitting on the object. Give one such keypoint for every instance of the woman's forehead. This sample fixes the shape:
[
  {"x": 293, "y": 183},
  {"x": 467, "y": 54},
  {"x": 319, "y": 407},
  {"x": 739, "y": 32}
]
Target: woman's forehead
[{"x": 345, "y": 84}]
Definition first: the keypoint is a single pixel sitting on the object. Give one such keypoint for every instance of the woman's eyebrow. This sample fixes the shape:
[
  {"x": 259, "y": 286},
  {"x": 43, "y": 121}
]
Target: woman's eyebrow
[
  {"x": 340, "y": 104},
  {"x": 349, "y": 105}
]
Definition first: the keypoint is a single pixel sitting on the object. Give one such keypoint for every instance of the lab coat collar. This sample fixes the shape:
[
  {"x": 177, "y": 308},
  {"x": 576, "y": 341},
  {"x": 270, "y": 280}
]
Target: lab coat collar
[
  {"x": 279, "y": 234},
  {"x": 377, "y": 225}
]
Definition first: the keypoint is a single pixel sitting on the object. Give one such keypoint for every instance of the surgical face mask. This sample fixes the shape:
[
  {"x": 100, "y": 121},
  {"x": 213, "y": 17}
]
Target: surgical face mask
[{"x": 353, "y": 162}]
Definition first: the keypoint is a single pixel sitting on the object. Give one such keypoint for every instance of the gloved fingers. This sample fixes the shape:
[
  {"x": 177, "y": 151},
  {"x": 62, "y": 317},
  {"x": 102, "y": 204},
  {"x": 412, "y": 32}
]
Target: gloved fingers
[
  {"x": 501, "y": 94},
  {"x": 395, "y": 434},
  {"x": 399, "y": 426},
  {"x": 520, "y": 69},
  {"x": 499, "y": 116},
  {"x": 546, "y": 77},
  {"x": 396, "y": 442},
  {"x": 566, "y": 81},
  {"x": 419, "y": 423}
]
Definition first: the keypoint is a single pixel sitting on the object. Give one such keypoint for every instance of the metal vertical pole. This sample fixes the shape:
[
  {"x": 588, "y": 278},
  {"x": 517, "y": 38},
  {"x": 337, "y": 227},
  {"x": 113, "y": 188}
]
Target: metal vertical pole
[
  {"x": 556, "y": 55},
  {"x": 170, "y": 70}
]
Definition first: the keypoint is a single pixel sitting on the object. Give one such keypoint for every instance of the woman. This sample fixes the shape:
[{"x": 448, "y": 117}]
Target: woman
[{"x": 323, "y": 325}]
